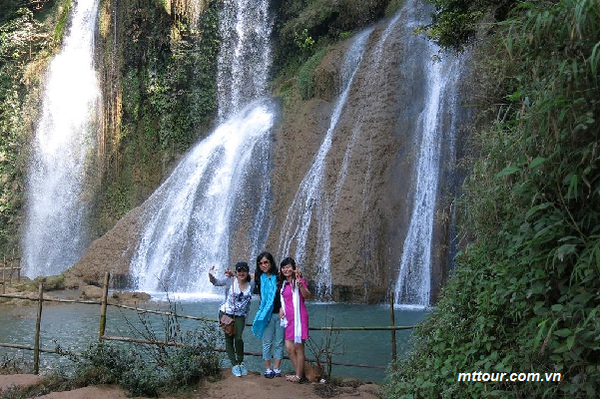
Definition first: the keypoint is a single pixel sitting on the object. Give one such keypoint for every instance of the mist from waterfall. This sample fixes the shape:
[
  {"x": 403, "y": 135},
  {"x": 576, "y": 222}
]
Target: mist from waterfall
[
  {"x": 311, "y": 196},
  {"x": 55, "y": 229},
  {"x": 222, "y": 185}
]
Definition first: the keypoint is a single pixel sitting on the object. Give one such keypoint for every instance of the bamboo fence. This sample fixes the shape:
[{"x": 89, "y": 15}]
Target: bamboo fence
[{"x": 102, "y": 336}]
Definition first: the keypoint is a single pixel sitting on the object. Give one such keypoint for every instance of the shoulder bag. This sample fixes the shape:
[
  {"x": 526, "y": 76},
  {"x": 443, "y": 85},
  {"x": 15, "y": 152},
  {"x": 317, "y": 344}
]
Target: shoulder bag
[{"x": 227, "y": 322}]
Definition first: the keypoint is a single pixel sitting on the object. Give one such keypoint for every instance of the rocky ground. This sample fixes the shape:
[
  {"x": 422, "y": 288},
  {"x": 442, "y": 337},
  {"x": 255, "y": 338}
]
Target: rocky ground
[{"x": 252, "y": 386}]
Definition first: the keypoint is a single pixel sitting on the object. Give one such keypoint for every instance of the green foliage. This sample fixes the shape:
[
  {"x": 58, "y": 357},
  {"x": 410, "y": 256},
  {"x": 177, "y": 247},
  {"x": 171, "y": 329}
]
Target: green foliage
[
  {"x": 176, "y": 368},
  {"x": 63, "y": 19},
  {"x": 7, "y": 9},
  {"x": 118, "y": 200},
  {"x": 455, "y": 22},
  {"x": 305, "y": 74},
  {"x": 51, "y": 283},
  {"x": 23, "y": 41},
  {"x": 16, "y": 37},
  {"x": 307, "y": 26},
  {"x": 525, "y": 296},
  {"x": 168, "y": 82},
  {"x": 304, "y": 41}
]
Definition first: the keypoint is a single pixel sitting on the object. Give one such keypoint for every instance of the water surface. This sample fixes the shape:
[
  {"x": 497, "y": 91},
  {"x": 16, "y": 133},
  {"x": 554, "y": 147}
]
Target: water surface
[{"x": 73, "y": 326}]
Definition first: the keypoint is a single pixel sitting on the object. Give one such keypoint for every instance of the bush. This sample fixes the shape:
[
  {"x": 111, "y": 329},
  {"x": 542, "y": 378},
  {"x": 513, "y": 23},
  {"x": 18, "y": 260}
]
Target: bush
[
  {"x": 307, "y": 26},
  {"x": 456, "y": 22},
  {"x": 143, "y": 375}
]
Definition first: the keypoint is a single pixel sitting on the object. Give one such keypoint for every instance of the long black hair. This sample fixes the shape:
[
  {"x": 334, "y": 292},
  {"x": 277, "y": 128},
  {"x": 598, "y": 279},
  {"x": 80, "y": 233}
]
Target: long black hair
[{"x": 272, "y": 270}]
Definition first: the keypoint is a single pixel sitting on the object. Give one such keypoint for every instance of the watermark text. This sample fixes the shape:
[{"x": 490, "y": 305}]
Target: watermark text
[{"x": 479, "y": 376}]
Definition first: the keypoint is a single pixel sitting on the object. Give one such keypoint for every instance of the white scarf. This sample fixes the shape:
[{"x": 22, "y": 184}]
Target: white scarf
[{"x": 296, "y": 304}]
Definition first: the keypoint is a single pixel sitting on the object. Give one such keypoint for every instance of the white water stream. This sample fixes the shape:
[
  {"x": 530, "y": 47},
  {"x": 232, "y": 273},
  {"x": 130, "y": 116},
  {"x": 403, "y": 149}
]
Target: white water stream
[
  {"x": 314, "y": 205},
  {"x": 192, "y": 212},
  {"x": 245, "y": 54},
  {"x": 55, "y": 230},
  {"x": 311, "y": 196},
  {"x": 413, "y": 286}
]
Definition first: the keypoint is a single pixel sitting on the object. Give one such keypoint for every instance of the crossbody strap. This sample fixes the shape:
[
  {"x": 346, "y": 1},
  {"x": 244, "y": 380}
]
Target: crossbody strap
[{"x": 233, "y": 297}]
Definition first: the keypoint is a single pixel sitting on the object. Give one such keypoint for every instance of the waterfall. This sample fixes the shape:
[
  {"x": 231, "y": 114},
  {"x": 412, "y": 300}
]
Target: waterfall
[
  {"x": 245, "y": 54},
  {"x": 413, "y": 286},
  {"x": 311, "y": 196},
  {"x": 193, "y": 210},
  {"x": 222, "y": 186},
  {"x": 55, "y": 229}
]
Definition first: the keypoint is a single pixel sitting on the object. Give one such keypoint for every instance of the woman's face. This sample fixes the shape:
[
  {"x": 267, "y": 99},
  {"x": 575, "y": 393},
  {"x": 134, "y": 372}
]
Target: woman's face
[
  {"x": 242, "y": 274},
  {"x": 264, "y": 265},
  {"x": 287, "y": 270}
]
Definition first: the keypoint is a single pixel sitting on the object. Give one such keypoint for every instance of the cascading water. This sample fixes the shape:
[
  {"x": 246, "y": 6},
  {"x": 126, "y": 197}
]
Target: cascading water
[
  {"x": 311, "y": 197},
  {"x": 413, "y": 286},
  {"x": 55, "y": 232},
  {"x": 192, "y": 211},
  {"x": 220, "y": 187},
  {"x": 245, "y": 55}
]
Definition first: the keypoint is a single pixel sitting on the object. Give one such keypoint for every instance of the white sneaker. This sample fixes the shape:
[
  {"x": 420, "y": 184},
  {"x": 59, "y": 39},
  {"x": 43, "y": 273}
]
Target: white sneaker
[
  {"x": 236, "y": 371},
  {"x": 269, "y": 373},
  {"x": 243, "y": 369}
]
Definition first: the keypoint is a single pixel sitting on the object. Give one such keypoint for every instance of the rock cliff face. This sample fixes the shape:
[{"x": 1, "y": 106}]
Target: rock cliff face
[
  {"x": 112, "y": 252},
  {"x": 370, "y": 221}
]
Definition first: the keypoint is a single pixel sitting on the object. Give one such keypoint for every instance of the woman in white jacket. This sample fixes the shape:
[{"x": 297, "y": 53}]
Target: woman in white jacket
[{"x": 238, "y": 295}]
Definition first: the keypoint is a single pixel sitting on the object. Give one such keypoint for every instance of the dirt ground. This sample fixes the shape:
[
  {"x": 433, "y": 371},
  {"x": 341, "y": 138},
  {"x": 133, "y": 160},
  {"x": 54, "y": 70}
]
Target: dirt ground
[{"x": 252, "y": 386}]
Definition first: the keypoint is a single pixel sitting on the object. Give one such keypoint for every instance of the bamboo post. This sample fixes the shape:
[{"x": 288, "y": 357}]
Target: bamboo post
[
  {"x": 393, "y": 323},
  {"x": 103, "y": 306},
  {"x": 3, "y": 279},
  {"x": 12, "y": 267},
  {"x": 36, "y": 344}
]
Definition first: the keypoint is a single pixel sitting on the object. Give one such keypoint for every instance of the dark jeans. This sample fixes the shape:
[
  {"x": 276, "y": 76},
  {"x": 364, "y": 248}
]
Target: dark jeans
[{"x": 234, "y": 345}]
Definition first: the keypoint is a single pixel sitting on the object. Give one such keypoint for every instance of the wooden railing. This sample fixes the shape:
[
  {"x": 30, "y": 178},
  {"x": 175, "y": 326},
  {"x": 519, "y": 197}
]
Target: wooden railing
[
  {"x": 102, "y": 336},
  {"x": 8, "y": 268}
]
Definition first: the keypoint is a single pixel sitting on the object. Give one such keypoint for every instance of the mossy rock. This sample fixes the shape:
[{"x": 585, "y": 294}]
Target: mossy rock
[
  {"x": 51, "y": 283},
  {"x": 131, "y": 297},
  {"x": 91, "y": 292}
]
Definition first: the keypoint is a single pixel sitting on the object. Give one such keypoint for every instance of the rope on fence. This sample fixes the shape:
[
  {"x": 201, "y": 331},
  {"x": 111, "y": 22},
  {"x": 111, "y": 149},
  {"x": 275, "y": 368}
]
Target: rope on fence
[
  {"x": 143, "y": 341},
  {"x": 27, "y": 347},
  {"x": 172, "y": 343},
  {"x": 201, "y": 318}
]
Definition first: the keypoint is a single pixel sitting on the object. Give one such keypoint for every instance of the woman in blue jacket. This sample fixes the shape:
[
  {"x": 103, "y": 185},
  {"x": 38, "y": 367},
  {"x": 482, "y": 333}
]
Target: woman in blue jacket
[{"x": 266, "y": 323}]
